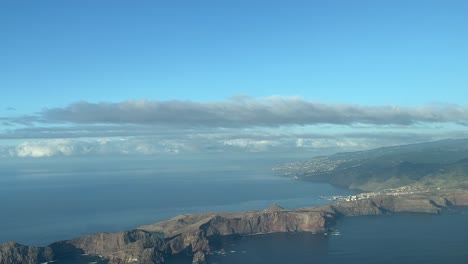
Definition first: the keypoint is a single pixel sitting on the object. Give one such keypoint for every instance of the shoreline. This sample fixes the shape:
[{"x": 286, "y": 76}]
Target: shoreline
[{"x": 194, "y": 234}]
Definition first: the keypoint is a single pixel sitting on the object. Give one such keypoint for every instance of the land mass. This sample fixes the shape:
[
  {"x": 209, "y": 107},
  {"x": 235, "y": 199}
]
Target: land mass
[
  {"x": 200, "y": 234},
  {"x": 432, "y": 165},
  {"x": 420, "y": 178}
]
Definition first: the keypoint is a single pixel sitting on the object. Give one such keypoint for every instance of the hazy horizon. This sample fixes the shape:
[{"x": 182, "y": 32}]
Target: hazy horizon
[
  {"x": 116, "y": 114},
  {"x": 162, "y": 78}
]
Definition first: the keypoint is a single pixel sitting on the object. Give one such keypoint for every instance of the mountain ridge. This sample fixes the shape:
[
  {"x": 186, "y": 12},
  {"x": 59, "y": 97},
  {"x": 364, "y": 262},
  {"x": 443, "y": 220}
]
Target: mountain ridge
[{"x": 386, "y": 167}]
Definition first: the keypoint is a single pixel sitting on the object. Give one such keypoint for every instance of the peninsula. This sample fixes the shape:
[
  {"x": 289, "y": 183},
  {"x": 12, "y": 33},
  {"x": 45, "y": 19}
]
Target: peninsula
[
  {"x": 425, "y": 178},
  {"x": 198, "y": 234}
]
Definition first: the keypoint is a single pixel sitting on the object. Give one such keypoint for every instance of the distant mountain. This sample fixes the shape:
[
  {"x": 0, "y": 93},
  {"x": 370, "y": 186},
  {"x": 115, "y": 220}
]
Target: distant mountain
[{"x": 434, "y": 164}]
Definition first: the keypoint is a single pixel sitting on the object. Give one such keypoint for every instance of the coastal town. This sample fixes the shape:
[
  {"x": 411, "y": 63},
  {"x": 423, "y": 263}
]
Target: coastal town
[{"x": 404, "y": 190}]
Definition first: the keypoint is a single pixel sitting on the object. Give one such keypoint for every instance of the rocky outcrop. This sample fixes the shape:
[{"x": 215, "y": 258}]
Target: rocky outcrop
[
  {"x": 199, "y": 258},
  {"x": 432, "y": 204},
  {"x": 387, "y": 204},
  {"x": 187, "y": 234},
  {"x": 12, "y": 252},
  {"x": 195, "y": 234},
  {"x": 458, "y": 198},
  {"x": 189, "y": 243},
  {"x": 192, "y": 233},
  {"x": 125, "y": 247},
  {"x": 253, "y": 222},
  {"x": 266, "y": 222}
]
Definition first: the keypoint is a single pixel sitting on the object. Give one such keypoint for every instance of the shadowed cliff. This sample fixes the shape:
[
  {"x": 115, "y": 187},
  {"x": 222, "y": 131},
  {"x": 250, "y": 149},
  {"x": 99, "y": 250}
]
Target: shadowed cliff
[{"x": 195, "y": 234}]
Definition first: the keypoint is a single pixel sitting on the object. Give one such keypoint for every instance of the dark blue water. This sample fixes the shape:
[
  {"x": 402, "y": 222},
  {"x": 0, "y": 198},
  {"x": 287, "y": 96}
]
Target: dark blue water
[
  {"x": 404, "y": 239},
  {"x": 55, "y": 199},
  {"x": 80, "y": 259},
  {"x": 49, "y": 200},
  {"x": 387, "y": 239}
]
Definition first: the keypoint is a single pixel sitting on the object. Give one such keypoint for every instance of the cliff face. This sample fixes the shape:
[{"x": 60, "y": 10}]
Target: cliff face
[
  {"x": 268, "y": 222},
  {"x": 12, "y": 252},
  {"x": 125, "y": 247},
  {"x": 432, "y": 204},
  {"x": 459, "y": 198},
  {"x": 199, "y": 258},
  {"x": 193, "y": 234},
  {"x": 189, "y": 234},
  {"x": 274, "y": 219}
]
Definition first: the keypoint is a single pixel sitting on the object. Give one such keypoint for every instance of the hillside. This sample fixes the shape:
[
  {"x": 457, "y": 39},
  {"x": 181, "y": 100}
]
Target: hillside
[{"x": 433, "y": 164}]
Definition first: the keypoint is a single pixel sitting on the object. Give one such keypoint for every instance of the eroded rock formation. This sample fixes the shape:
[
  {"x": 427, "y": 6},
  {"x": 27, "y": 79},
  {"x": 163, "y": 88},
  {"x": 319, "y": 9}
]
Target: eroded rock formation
[
  {"x": 193, "y": 234},
  {"x": 12, "y": 252}
]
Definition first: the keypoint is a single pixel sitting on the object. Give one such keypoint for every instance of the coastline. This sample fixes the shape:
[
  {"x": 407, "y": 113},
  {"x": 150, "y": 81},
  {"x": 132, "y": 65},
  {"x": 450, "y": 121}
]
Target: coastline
[{"x": 195, "y": 234}]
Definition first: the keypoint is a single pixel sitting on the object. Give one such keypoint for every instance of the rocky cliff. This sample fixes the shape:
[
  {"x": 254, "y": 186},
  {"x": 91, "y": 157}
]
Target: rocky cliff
[
  {"x": 194, "y": 234},
  {"x": 12, "y": 252},
  {"x": 125, "y": 247},
  {"x": 188, "y": 234}
]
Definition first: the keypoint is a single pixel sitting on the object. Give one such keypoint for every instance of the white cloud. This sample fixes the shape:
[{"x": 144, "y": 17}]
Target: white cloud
[
  {"x": 49, "y": 148},
  {"x": 299, "y": 142},
  {"x": 335, "y": 143},
  {"x": 239, "y": 124},
  {"x": 251, "y": 144},
  {"x": 216, "y": 141},
  {"x": 250, "y": 112},
  {"x": 98, "y": 146}
]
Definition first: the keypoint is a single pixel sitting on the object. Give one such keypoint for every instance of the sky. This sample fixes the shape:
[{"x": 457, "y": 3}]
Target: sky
[{"x": 170, "y": 77}]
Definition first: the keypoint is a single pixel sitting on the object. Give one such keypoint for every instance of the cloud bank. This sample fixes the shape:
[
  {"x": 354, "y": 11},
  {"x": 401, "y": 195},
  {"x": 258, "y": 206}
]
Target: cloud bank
[
  {"x": 56, "y": 147},
  {"x": 96, "y": 146},
  {"x": 308, "y": 143},
  {"x": 242, "y": 124},
  {"x": 249, "y": 112}
]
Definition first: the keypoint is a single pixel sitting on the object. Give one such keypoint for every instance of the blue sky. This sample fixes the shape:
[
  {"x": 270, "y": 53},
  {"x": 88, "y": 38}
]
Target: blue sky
[{"x": 366, "y": 53}]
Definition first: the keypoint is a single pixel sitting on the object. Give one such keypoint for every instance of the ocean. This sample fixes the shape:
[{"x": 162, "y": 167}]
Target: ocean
[
  {"x": 45, "y": 200},
  {"x": 49, "y": 200},
  {"x": 403, "y": 239}
]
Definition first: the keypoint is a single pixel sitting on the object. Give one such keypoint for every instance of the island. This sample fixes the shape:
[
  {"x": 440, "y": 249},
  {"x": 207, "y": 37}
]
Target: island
[{"x": 421, "y": 178}]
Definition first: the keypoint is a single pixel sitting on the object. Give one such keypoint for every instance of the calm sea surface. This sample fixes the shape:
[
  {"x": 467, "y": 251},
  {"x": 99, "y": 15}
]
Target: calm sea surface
[
  {"x": 404, "y": 239},
  {"x": 48, "y": 200}
]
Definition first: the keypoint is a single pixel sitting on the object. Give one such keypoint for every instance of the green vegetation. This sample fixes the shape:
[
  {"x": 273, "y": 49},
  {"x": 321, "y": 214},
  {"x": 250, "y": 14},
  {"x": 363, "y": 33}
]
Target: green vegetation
[{"x": 440, "y": 164}]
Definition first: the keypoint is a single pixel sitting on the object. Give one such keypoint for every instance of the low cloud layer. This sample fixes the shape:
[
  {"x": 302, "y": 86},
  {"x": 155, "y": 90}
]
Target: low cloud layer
[
  {"x": 154, "y": 146},
  {"x": 49, "y": 148},
  {"x": 96, "y": 146},
  {"x": 243, "y": 124},
  {"x": 308, "y": 143},
  {"x": 248, "y": 112}
]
